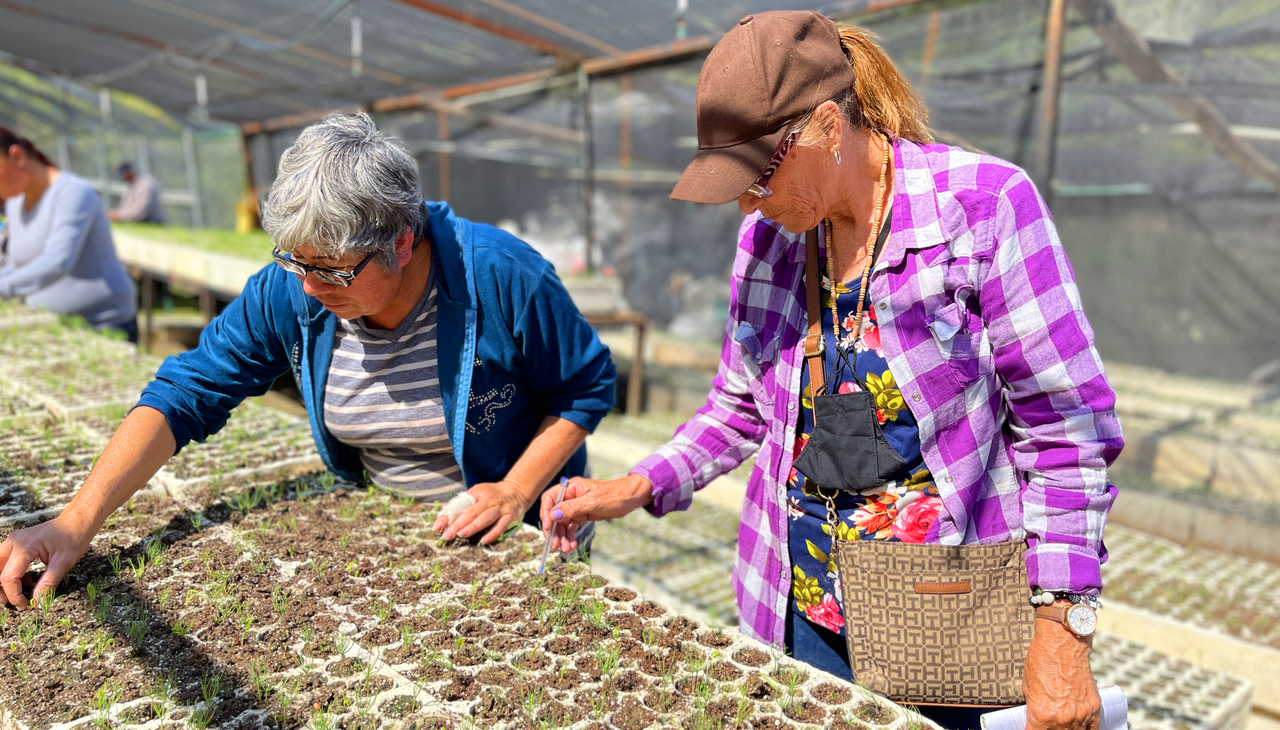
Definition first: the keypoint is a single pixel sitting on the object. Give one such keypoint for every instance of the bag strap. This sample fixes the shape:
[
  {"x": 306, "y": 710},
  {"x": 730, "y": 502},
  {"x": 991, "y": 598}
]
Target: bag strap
[{"x": 815, "y": 344}]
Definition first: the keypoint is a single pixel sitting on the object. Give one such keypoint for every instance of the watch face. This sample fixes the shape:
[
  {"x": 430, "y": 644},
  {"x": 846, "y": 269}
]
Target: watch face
[{"x": 1082, "y": 620}]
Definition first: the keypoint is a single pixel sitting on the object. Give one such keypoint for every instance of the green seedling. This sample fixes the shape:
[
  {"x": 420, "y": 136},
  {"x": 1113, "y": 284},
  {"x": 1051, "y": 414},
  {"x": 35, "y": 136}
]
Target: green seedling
[
  {"x": 106, "y": 696},
  {"x": 155, "y": 550},
  {"x": 530, "y": 699},
  {"x": 210, "y": 687},
  {"x": 201, "y": 717},
  {"x": 138, "y": 566},
  {"x": 258, "y": 677},
  {"x": 792, "y": 678},
  {"x": 19, "y": 667},
  {"x": 342, "y": 643},
  {"x": 280, "y": 600},
  {"x": 113, "y": 560},
  {"x": 136, "y": 630},
  {"x": 181, "y": 627},
  {"x": 101, "y": 642},
  {"x": 286, "y": 694},
  {"x": 103, "y": 610},
  {"x": 29, "y": 629},
  {"x": 744, "y": 710},
  {"x": 607, "y": 657},
  {"x": 445, "y": 612}
]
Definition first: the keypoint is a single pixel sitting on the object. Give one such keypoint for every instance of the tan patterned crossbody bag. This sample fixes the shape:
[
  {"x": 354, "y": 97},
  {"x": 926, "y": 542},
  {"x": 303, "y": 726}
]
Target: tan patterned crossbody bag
[{"x": 937, "y": 624}]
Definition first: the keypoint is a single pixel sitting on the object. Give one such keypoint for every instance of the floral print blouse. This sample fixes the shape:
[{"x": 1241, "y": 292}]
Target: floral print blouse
[{"x": 902, "y": 510}]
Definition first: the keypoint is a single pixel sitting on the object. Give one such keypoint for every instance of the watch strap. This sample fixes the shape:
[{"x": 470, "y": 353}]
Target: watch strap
[{"x": 1055, "y": 612}]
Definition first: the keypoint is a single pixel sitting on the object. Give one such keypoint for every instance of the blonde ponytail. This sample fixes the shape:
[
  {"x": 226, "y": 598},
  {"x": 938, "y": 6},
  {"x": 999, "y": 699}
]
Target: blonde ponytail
[{"x": 882, "y": 98}]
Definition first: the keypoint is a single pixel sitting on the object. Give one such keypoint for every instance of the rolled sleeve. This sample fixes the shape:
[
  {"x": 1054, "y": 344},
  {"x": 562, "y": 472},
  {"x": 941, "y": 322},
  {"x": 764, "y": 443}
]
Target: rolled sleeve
[
  {"x": 725, "y": 432},
  {"x": 240, "y": 355},
  {"x": 1061, "y": 407}
]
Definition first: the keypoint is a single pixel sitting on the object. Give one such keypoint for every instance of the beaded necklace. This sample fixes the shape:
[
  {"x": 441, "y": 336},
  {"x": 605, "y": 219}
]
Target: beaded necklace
[{"x": 876, "y": 222}]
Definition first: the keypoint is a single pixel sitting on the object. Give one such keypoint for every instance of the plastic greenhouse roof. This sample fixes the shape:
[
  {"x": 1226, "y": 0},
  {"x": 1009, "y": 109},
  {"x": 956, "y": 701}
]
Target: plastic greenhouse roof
[{"x": 156, "y": 48}]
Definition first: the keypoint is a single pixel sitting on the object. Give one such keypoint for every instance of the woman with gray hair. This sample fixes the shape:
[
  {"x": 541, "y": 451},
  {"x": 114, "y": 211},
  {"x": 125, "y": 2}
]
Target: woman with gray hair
[{"x": 434, "y": 355}]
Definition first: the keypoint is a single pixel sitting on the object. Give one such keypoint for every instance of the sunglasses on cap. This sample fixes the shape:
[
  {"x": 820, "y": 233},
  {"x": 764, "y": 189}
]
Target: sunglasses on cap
[{"x": 760, "y": 188}]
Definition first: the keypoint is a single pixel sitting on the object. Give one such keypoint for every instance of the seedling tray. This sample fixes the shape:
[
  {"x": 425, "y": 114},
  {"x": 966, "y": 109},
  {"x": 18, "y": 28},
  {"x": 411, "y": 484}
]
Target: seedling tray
[
  {"x": 297, "y": 604},
  {"x": 1169, "y": 694},
  {"x": 257, "y": 442}
]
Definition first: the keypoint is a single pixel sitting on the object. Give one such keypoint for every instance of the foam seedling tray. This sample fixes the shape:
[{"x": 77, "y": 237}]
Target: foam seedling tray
[
  {"x": 1169, "y": 694},
  {"x": 297, "y": 606},
  {"x": 257, "y": 442},
  {"x": 1234, "y": 594},
  {"x": 42, "y": 465}
]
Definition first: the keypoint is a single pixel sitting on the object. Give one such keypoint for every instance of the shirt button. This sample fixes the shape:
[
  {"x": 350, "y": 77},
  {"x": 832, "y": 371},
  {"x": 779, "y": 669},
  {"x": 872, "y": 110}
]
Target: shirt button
[
  {"x": 915, "y": 397},
  {"x": 791, "y": 406},
  {"x": 884, "y": 305},
  {"x": 782, "y": 573},
  {"x": 947, "y": 479}
]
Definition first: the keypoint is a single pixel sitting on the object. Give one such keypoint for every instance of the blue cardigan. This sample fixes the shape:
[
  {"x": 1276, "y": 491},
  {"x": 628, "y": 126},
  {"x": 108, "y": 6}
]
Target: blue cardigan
[{"x": 512, "y": 346}]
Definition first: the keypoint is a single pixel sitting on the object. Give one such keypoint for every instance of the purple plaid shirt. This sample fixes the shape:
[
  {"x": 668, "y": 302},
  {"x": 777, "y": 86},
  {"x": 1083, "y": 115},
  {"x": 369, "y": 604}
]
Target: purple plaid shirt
[{"x": 984, "y": 332}]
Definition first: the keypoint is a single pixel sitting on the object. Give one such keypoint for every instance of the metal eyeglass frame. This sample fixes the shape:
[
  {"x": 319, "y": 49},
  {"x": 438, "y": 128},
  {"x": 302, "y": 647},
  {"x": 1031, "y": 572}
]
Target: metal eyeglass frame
[
  {"x": 760, "y": 188},
  {"x": 326, "y": 275}
]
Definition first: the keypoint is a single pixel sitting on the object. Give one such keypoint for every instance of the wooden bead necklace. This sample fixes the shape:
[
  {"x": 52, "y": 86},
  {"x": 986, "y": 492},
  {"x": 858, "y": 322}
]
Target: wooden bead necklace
[{"x": 876, "y": 222}]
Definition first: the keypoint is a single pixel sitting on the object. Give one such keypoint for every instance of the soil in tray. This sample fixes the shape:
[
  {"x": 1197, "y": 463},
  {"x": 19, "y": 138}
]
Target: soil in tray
[{"x": 305, "y": 606}]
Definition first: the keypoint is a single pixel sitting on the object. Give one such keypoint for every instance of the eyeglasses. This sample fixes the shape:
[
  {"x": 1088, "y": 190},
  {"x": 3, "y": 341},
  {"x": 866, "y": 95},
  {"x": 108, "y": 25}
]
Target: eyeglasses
[
  {"x": 760, "y": 188},
  {"x": 328, "y": 276}
]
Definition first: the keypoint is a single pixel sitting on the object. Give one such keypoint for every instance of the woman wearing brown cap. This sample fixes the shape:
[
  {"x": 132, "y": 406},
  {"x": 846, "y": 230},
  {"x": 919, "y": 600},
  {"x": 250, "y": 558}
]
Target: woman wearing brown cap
[{"x": 933, "y": 430}]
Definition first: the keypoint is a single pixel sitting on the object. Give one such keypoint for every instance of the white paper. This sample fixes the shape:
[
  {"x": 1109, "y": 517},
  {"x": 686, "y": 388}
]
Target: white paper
[{"x": 1115, "y": 714}]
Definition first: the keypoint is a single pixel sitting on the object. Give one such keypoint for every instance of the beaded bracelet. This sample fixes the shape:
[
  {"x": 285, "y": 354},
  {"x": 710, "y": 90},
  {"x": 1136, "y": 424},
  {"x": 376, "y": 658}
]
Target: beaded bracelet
[{"x": 1046, "y": 598}]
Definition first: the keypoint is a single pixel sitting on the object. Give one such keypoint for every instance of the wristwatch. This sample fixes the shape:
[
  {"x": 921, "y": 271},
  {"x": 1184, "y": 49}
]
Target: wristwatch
[{"x": 1079, "y": 618}]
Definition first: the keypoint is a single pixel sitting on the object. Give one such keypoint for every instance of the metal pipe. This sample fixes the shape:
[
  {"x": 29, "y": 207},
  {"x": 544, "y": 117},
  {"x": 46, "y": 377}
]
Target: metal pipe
[
  {"x": 588, "y": 164},
  {"x": 193, "y": 177},
  {"x": 624, "y": 170},
  {"x": 1047, "y": 105},
  {"x": 442, "y": 133},
  {"x": 147, "y": 285},
  {"x": 536, "y": 43}
]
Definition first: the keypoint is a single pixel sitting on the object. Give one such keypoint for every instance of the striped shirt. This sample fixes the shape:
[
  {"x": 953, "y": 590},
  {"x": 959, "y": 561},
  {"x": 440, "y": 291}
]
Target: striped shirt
[
  {"x": 983, "y": 330},
  {"x": 383, "y": 398}
]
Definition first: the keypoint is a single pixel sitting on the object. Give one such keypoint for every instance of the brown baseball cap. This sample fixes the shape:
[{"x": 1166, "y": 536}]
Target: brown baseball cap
[{"x": 770, "y": 69}]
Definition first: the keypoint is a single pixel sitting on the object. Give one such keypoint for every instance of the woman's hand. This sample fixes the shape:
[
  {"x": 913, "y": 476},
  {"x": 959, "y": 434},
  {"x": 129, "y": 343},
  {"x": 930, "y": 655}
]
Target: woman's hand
[
  {"x": 498, "y": 504},
  {"x": 58, "y": 543},
  {"x": 1057, "y": 681},
  {"x": 591, "y": 500}
]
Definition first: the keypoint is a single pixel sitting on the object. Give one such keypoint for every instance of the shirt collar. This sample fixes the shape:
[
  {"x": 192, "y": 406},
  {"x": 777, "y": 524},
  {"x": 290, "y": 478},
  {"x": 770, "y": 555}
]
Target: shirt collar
[{"x": 917, "y": 217}]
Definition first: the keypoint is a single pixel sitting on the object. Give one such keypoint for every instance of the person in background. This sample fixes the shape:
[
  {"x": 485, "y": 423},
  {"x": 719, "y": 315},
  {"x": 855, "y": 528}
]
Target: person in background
[
  {"x": 60, "y": 254},
  {"x": 141, "y": 202}
]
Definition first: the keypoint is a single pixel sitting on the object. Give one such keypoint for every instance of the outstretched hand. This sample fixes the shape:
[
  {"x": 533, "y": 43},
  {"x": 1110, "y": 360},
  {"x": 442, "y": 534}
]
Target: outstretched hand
[
  {"x": 498, "y": 504},
  {"x": 591, "y": 500},
  {"x": 58, "y": 543}
]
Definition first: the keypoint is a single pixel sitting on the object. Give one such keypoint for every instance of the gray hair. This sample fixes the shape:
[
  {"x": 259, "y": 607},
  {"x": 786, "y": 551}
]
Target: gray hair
[{"x": 344, "y": 188}]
